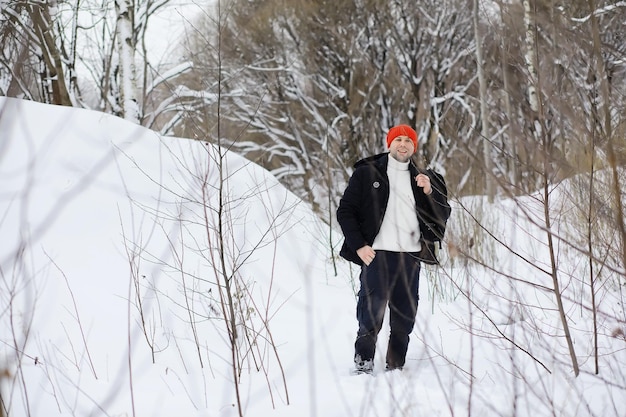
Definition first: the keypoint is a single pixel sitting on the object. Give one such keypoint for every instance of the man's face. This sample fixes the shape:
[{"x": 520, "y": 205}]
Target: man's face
[{"x": 401, "y": 148}]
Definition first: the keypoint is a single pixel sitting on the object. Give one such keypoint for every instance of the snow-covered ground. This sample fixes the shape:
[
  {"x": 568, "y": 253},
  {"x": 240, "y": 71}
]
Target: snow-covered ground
[{"x": 108, "y": 302}]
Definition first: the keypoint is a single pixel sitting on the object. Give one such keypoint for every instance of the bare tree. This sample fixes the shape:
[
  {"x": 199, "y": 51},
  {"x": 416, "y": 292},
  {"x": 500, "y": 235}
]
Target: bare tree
[
  {"x": 324, "y": 86},
  {"x": 87, "y": 53},
  {"x": 31, "y": 36}
]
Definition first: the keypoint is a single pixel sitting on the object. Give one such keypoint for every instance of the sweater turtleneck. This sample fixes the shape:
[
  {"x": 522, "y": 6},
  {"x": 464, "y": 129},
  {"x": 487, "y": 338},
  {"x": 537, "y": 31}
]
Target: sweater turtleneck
[{"x": 400, "y": 230}]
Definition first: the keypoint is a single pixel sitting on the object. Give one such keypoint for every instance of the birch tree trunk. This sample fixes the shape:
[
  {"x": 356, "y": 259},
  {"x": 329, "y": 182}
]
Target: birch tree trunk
[
  {"x": 530, "y": 57},
  {"x": 126, "y": 50}
]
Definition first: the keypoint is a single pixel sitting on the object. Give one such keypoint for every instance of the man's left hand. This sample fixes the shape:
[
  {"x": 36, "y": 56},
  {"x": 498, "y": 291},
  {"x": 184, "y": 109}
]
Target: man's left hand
[{"x": 423, "y": 181}]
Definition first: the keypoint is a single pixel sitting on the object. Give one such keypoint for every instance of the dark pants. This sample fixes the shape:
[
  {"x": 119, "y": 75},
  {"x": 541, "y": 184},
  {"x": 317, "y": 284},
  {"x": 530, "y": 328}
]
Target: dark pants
[{"x": 391, "y": 278}]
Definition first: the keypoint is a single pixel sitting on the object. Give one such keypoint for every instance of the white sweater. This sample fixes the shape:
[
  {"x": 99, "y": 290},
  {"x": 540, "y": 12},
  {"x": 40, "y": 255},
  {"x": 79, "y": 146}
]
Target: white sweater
[{"x": 400, "y": 230}]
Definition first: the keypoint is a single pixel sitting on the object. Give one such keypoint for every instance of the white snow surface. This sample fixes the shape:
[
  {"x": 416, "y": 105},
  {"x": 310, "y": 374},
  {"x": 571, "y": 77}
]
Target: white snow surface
[{"x": 107, "y": 247}]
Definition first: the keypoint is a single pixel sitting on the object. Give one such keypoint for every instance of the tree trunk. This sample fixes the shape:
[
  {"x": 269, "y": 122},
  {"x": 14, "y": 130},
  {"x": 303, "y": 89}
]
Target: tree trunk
[
  {"x": 53, "y": 78},
  {"x": 542, "y": 136},
  {"x": 517, "y": 151},
  {"x": 607, "y": 131},
  {"x": 484, "y": 117},
  {"x": 126, "y": 51}
]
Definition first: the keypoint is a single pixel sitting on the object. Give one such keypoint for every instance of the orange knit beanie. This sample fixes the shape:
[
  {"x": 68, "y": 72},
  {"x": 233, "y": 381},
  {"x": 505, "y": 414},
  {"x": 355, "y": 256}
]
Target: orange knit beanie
[{"x": 402, "y": 130}]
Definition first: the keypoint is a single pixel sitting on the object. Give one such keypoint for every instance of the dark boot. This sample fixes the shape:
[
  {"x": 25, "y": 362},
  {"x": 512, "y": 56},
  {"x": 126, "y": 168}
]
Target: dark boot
[
  {"x": 396, "y": 351},
  {"x": 363, "y": 366}
]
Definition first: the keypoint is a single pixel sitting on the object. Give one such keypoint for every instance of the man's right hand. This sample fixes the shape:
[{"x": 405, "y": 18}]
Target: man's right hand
[{"x": 367, "y": 254}]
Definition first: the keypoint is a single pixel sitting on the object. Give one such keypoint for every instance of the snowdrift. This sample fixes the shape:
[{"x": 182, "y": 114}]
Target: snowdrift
[{"x": 114, "y": 240}]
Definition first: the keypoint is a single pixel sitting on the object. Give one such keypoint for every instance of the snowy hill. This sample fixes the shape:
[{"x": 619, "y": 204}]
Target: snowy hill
[{"x": 114, "y": 240}]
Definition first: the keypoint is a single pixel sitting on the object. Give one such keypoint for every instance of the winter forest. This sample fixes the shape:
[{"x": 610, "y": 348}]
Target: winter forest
[
  {"x": 507, "y": 96},
  {"x": 515, "y": 101}
]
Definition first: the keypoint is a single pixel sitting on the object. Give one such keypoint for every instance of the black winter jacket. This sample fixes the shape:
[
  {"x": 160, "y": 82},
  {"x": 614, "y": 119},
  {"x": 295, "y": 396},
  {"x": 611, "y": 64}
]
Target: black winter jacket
[{"x": 362, "y": 207}]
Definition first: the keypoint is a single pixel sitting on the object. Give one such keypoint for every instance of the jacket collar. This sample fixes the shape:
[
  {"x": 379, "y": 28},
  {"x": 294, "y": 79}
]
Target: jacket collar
[{"x": 380, "y": 161}]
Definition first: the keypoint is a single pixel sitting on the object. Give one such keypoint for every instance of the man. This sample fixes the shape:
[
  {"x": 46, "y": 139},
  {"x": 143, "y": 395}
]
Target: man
[{"x": 390, "y": 214}]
